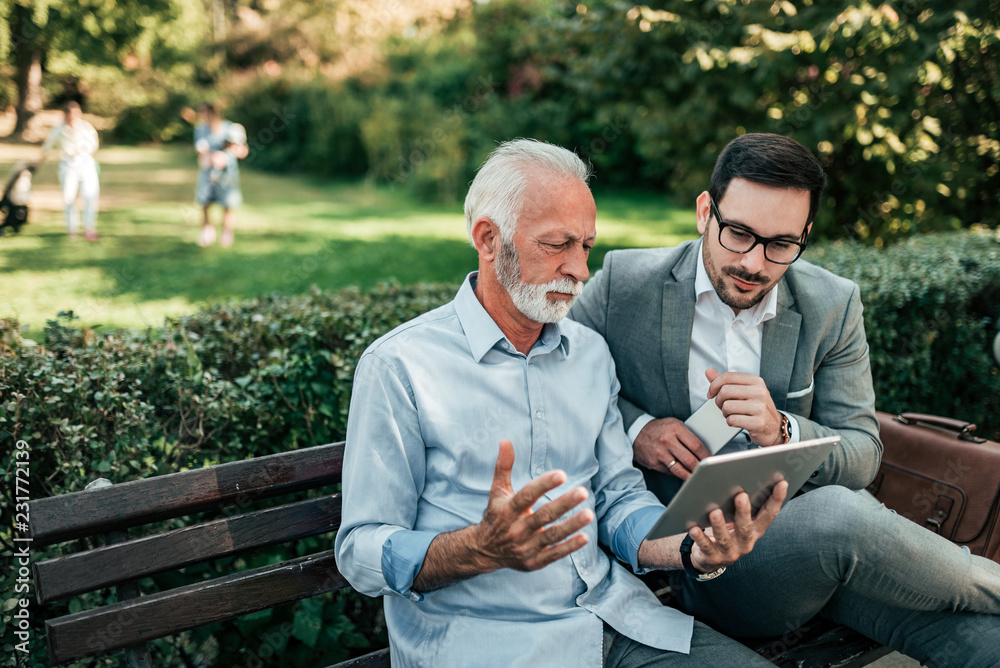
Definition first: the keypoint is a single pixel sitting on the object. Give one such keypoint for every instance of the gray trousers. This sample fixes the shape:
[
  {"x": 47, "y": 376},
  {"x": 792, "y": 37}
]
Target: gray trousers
[
  {"x": 709, "y": 649},
  {"x": 842, "y": 554}
]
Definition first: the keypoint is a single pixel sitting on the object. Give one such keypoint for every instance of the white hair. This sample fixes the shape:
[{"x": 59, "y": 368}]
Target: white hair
[{"x": 497, "y": 192}]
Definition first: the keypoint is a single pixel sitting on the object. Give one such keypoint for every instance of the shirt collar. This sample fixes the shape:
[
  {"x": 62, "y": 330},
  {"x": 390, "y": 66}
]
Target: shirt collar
[
  {"x": 483, "y": 333},
  {"x": 761, "y": 312}
]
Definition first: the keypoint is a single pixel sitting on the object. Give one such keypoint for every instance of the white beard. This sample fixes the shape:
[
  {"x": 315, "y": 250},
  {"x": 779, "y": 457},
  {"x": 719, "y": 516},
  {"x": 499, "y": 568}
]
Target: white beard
[{"x": 531, "y": 298}]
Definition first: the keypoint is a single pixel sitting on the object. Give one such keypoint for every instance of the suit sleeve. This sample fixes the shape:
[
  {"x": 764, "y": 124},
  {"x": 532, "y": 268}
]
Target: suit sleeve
[
  {"x": 844, "y": 405},
  {"x": 591, "y": 309}
]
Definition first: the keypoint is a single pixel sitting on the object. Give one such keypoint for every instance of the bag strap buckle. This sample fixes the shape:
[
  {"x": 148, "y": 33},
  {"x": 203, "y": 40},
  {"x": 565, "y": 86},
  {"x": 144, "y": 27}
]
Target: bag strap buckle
[{"x": 940, "y": 513}]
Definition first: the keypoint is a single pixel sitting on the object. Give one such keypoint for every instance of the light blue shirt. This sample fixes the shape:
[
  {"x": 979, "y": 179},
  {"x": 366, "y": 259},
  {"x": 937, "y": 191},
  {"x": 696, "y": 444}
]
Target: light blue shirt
[{"x": 431, "y": 401}]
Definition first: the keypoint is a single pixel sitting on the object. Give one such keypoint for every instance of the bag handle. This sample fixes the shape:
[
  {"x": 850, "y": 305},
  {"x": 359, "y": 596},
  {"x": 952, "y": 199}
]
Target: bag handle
[{"x": 966, "y": 430}]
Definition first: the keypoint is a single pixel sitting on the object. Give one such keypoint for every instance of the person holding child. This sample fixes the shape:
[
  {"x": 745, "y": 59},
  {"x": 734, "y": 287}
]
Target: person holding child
[{"x": 220, "y": 144}]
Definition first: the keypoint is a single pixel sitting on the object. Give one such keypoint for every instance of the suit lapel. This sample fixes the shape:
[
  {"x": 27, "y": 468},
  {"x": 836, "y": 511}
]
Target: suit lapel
[
  {"x": 675, "y": 336},
  {"x": 778, "y": 344}
]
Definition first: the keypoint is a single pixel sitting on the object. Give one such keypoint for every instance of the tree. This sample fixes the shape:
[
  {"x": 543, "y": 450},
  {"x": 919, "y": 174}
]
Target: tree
[
  {"x": 898, "y": 99},
  {"x": 96, "y": 32}
]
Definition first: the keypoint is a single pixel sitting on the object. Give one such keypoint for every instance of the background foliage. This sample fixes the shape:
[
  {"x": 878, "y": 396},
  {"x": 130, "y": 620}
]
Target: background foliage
[
  {"x": 275, "y": 373},
  {"x": 900, "y": 99}
]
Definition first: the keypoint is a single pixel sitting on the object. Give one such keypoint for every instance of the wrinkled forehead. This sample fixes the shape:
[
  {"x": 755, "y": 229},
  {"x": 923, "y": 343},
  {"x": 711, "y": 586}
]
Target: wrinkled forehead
[{"x": 555, "y": 202}]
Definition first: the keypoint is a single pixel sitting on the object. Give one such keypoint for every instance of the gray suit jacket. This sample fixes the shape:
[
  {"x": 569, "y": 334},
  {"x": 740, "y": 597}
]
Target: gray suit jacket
[{"x": 814, "y": 354}]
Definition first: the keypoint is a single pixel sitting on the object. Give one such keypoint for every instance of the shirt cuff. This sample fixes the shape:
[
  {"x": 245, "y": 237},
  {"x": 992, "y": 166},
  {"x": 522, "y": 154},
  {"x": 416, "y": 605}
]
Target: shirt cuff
[
  {"x": 640, "y": 422},
  {"x": 402, "y": 556},
  {"x": 632, "y": 531},
  {"x": 793, "y": 428}
]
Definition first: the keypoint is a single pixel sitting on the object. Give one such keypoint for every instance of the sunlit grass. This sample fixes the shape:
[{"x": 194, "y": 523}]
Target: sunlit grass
[{"x": 293, "y": 232}]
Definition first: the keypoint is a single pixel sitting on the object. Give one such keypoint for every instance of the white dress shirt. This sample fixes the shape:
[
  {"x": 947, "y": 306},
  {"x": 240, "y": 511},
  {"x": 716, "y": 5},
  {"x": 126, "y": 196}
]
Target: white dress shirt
[{"x": 724, "y": 341}]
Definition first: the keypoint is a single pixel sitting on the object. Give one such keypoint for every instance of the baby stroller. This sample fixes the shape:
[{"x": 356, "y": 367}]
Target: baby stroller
[{"x": 16, "y": 197}]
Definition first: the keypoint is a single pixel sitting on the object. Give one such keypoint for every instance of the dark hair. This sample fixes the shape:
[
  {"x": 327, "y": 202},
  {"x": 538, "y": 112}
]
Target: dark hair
[
  {"x": 770, "y": 160},
  {"x": 209, "y": 107}
]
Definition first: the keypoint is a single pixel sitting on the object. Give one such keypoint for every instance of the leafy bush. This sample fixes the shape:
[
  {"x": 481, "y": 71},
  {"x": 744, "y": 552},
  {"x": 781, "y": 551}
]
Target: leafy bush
[
  {"x": 275, "y": 373},
  {"x": 301, "y": 123},
  {"x": 894, "y": 98}
]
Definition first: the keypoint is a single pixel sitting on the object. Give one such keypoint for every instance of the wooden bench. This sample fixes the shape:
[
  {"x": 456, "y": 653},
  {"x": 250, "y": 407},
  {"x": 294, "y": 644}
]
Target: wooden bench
[{"x": 227, "y": 520}]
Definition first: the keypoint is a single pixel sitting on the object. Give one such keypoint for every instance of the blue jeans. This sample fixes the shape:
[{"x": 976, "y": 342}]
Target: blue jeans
[{"x": 842, "y": 554}]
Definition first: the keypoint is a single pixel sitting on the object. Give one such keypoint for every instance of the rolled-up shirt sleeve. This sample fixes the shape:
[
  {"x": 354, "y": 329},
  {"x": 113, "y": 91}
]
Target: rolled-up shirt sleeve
[
  {"x": 629, "y": 536},
  {"x": 383, "y": 475},
  {"x": 402, "y": 557}
]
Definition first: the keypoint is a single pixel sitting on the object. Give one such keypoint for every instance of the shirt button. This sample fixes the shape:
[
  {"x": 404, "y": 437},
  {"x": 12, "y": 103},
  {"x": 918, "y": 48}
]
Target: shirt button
[
  {"x": 538, "y": 414},
  {"x": 539, "y": 470}
]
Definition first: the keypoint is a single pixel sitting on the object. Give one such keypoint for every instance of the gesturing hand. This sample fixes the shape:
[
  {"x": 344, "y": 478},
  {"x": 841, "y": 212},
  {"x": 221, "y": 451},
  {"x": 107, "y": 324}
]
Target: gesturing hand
[
  {"x": 723, "y": 544},
  {"x": 668, "y": 446},
  {"x": 746, "y": 403},
  {"x": 512, "y": 536}
]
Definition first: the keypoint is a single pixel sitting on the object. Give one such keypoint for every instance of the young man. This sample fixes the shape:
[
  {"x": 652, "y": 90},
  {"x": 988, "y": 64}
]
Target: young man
[
  {"x": 737, "y": 318},
  {"x": 494, "y": 561}
]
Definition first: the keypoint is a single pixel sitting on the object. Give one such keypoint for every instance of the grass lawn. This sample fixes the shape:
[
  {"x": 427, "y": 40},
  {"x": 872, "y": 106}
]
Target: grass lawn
[{"x": 292, "y": 232}]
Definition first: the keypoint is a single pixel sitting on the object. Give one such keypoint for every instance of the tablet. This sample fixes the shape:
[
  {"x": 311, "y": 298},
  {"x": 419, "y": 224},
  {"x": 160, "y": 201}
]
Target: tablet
[{"x": 717, "y": 480}]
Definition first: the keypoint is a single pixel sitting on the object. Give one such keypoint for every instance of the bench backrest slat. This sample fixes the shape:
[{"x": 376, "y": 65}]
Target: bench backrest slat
[
  {"x": 67, "y": 516},
  {"x": 109, "y": 565},
  {"x": 115, "y": 626},
  {"x": 379, "y": 659}
]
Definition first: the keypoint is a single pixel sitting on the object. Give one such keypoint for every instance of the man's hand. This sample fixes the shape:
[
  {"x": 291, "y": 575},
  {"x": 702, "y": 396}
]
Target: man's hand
[
  {"x": 723, "y": 544},
  {"x": 746, "y": 403},
  {"x": 512, "y": 536},
  {"x": 668, "y": 446}
]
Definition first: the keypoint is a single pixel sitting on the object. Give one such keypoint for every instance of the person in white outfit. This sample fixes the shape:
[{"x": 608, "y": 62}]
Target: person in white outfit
[{"x": 77, "y": 142}]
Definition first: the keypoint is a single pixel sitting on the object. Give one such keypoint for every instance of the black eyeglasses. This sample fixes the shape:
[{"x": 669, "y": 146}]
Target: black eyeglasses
[{"x": 741, "y": 240}]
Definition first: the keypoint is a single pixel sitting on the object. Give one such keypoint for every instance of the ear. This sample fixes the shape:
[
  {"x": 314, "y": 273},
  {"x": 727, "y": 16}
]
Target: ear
[
  {"x": 703, "y": 210},
  {"x": 486, "y": 238}
]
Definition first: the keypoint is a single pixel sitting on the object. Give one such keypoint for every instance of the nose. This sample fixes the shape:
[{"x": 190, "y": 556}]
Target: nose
[
  {"x": 576, "y": 266},
  {"x": 754, "y": 261}
]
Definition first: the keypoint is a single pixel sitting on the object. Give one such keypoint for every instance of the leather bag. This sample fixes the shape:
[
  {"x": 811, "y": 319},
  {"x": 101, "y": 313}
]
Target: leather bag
[{"x": 936, "y": 472}]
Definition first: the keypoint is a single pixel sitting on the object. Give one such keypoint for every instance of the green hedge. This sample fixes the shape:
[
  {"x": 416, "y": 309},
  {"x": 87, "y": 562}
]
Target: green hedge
[
  {"x": 233, "y": 381},
  {"x": 932, "y": 307},
  {"x": 274, "y": 373}
]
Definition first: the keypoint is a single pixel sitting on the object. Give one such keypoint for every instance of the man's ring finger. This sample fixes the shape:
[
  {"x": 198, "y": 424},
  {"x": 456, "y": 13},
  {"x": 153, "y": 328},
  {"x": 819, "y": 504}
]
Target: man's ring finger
[{"x": 671, "y": 464}]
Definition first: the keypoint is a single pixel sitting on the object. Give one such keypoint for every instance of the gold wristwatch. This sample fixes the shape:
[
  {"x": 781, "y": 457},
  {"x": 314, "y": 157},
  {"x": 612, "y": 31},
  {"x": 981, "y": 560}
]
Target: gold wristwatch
[{"x": 786, "y": 429}]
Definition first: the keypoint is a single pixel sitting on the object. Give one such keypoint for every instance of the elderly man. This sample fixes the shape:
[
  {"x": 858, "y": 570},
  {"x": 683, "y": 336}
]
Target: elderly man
[
  {"x": 488, "y": 559},
  {"x": 779, "y": 344}
]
